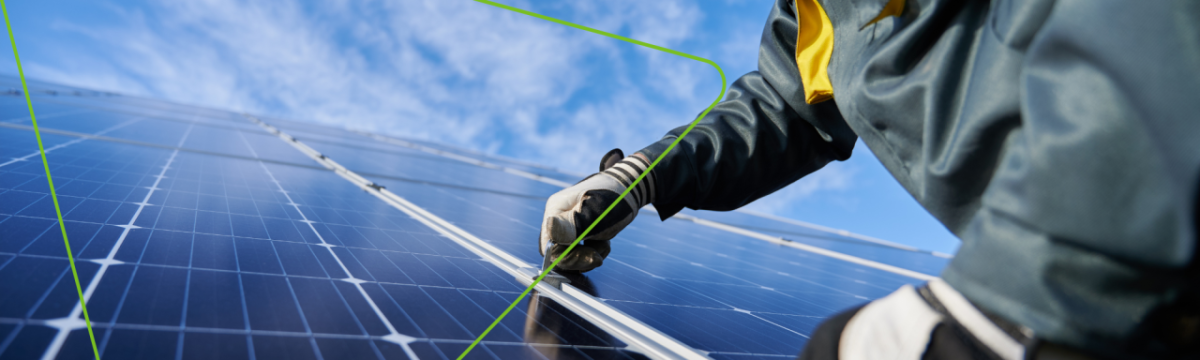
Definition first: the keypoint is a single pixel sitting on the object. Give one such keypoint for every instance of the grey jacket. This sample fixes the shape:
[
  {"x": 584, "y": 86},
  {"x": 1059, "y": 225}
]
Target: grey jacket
[{"x": 1060, "y": 140}]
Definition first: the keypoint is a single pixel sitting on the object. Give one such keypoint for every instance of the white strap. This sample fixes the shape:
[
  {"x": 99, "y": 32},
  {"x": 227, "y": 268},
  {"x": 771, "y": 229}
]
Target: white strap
[
  {"x": 897, "y": 326},
  {"x": 975, "y": 322}
]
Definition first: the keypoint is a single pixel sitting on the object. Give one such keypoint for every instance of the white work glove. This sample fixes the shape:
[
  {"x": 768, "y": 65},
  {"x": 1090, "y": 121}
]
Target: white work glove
[{"x": 570, "y": 211}]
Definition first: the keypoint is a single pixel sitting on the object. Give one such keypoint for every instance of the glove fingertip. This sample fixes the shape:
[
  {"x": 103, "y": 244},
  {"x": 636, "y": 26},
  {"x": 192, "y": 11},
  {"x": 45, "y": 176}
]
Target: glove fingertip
[{"x": 561, "y": 230}]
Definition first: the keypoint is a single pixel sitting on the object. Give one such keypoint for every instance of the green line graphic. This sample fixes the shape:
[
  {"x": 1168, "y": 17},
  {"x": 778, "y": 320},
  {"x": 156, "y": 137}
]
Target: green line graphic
[
  {"x": 635, "y": 182},
  {"x": 50, "y": 180}
]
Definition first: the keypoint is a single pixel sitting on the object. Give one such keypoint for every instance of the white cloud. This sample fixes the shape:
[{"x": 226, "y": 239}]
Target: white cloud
[{"x": 456, "y": 72}]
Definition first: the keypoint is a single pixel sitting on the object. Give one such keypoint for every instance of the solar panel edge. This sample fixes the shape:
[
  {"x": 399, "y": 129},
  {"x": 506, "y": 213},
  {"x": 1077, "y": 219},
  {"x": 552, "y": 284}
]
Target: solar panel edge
[
  {"x": 865, "y": 238},
  {"x": 466, "y": 159},
  {"x": 476, "y": 153},
  {"x": 639, "y": 335},
  {"x": 809, "y": 248}
]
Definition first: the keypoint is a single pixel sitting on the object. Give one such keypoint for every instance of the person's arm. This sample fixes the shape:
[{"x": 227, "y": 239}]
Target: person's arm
[
  {"x": 762, "y": 137},
  {"x": 758, "y": 140}
]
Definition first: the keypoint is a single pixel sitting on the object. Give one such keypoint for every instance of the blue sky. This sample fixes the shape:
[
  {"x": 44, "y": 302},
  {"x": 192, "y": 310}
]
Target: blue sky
[{"x": 456, "y": 72}]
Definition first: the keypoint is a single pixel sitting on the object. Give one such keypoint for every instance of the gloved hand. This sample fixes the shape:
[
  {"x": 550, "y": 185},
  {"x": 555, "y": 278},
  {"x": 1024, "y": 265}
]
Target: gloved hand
[{"x": 570, "y": 211}]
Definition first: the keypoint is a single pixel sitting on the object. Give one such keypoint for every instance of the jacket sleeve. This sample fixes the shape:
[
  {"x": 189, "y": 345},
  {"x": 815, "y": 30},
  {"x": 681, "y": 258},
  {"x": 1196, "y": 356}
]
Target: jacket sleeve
[{"x": 762, "y": 137}]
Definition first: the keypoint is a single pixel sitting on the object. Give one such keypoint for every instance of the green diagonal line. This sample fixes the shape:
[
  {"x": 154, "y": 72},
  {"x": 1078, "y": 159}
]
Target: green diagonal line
[
  {"x": 50, "y": 180},
  {"x": 635, "y": 182}
]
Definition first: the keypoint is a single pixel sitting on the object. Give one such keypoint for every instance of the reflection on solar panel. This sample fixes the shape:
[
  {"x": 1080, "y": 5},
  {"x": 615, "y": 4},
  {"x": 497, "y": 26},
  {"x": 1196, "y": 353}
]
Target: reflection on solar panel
[{"x": 208, "y": 234}]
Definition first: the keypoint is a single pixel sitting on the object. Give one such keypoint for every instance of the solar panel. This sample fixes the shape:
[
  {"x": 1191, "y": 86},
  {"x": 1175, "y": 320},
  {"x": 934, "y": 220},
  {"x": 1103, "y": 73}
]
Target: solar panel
[{"x": 207, "y": 234}]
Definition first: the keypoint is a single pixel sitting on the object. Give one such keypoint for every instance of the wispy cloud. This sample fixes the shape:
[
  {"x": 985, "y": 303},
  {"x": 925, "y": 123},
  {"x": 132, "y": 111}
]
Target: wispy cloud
[{"x": 450, "y": 71}]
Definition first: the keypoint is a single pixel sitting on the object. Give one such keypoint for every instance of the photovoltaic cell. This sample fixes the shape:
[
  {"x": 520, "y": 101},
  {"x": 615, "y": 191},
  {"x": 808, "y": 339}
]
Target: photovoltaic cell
[{"x": 197, "y": 234}]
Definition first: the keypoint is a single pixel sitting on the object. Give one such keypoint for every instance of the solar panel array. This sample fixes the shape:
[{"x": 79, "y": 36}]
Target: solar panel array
[{"x": 199, "y": 234}]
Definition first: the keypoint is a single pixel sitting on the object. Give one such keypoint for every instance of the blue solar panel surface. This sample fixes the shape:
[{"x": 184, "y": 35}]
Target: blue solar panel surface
[{"x": 198, "y": 234}]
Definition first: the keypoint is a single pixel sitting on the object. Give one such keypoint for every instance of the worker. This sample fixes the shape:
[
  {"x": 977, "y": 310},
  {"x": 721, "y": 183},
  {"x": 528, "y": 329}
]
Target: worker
[{"x": 1059, "y": 140}]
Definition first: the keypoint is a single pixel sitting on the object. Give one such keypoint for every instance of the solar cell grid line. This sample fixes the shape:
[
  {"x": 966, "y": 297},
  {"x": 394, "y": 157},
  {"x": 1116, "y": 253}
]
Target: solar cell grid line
[
  {"x": 810, "y": 248},
  {"x": 355, "y": 142},
  {"x": 242, "y": 298},
  {"x": 86, "y": 179},
  {"x": 171, "y": 147},
  {"x": 480, "y": 155},
  {"x": 438, "y": 169},
  {"x": 46, "y": 116},
  {"x": 818, "y": 262},
  {"x": 470, "y": 160},
  {"x": 924, "y": 261},
  {"x": 743, "y": 263},
  {"x": 184, "y": 149},
  {"x": 295, "y": 299},
  {"x": 83, "y": 233},
  {"x": 72, "y": 321},
  {"x": 182, "y": 339},
  {"x": 665, "y": 254},
  {"x": 84, "y": 122},
  {"x": 120, "y": 103},
  {"x": 829, "y": 230},
  {"x": 107, "y": 107},
  {"x": 69, "y": 143},
  {"x": 143, "y": 262},
  {"x": 393, "y": 335},
  {"x": 727, "y": 305}
]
